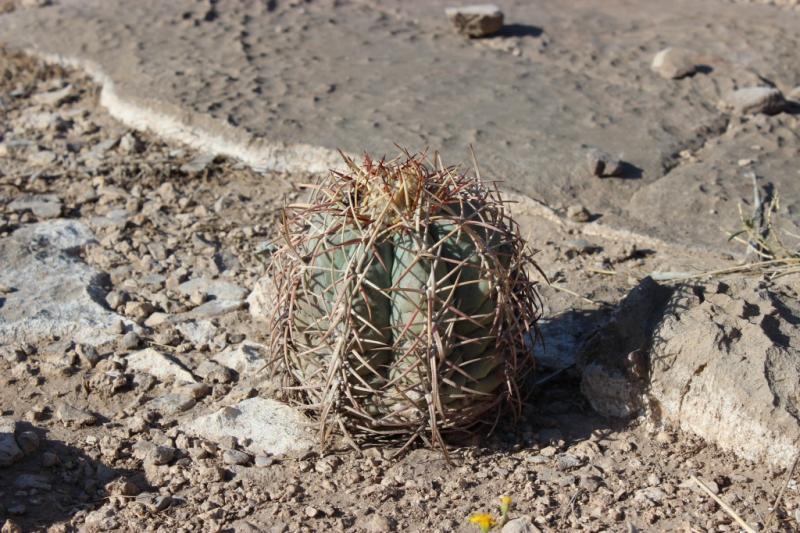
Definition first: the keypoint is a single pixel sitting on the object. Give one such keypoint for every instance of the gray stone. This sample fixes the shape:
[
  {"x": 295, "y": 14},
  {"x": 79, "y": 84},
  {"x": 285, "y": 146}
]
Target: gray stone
[
  {"x": 477, "y": 20},
  {"x": 158, "y": 365},
  {"x": 794, "y": 95},
  {"x": 211, "y": 309},
  {"x": 173, "y": 403},
  {"x": 56, "y": 293},
  {"x": 130, "y": 341},
  {"x": 198, "y": 332},
  {"x": 198, "y": 163},
  {"x": 160, "y": 455},
  {"x": 272, "y": 427},
  {"x": 673, "y": 63},
  {"x": 10, "y": 451},
  {"x": 753, "y": 100},
  {"x": 567, "y": 461},
  {"x": 235, "y": 457},
  {"x": 154, "y": 502},
  {"x": 41, "y": 205},
  {"x": 246, "y": 358}
]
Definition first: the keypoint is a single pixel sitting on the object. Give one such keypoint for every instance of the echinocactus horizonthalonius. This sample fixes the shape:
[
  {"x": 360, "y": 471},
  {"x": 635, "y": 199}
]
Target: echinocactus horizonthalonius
[{"x": 404, "y": 301}]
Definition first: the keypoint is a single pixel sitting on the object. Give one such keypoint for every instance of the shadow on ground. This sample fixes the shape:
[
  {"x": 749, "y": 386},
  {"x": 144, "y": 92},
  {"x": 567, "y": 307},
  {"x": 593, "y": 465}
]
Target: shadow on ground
[{"x": 52, "y": 483}]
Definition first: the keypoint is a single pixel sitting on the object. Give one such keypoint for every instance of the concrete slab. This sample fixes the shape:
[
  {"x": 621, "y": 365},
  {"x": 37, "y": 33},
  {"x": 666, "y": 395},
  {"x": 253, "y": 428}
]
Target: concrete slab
[{"x": 283, "y": 84}]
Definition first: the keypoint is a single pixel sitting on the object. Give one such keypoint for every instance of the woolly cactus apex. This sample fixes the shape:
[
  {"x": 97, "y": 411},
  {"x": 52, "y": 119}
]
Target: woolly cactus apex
[{"x": 404, "y": 302}]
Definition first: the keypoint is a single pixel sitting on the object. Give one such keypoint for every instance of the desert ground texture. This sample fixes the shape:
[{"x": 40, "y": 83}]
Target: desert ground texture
[{"x": 147, "y": 149}]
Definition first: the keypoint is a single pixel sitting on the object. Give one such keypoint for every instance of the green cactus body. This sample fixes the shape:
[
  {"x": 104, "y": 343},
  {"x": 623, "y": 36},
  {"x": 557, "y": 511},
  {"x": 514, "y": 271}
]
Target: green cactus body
[{"x": 404, "y": 308}]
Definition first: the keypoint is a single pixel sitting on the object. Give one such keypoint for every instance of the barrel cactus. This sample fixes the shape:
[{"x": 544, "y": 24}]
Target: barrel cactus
[{"x": 405, "y": 304}]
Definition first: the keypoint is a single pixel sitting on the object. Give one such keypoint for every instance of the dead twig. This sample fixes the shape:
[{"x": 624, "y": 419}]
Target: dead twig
[
  {"x": 725, "y": 507},
  {"x": 778, "y": 498}
]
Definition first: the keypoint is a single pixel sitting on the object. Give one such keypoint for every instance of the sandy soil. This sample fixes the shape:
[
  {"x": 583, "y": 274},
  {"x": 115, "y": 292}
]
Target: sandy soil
[{"x": 94, "y": 467}]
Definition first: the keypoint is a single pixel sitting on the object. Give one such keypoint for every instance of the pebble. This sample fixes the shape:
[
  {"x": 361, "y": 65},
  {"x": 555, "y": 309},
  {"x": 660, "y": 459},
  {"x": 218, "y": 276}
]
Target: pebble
[
  {"x": 172, "y": 403},
  {"x": 138, "y": 311},
  {"x": 263, "y": 461},
  {"x": 49, "y": 459},
  {"x": 10, "y": 451},
  {"x": 73, "y": 416},
  {"x": 567, "y": 461},
  {"x": 476, "y": 20},
  {"x": 794, "y": 96},
  {"x": 548, "y": 451},
  {"x": 235, "y": 457},
  {"x": 673, "y": 63},
  {"x": 578, "y": 213},
  {"x": 130, "y": 144},
  {"x": 603, "y": 164},
  {"x": 311, "y": 512},
  {"x": 28, "y": 442},
  {"x": 155, "y": 503},
  {"x": 520, "y": 525},
  {"x": 129, "y": 341},
  {"x": 580, "y": 246},
  {"x": 754, "y": 100},
  {"x": 55, "y": 98},
  {"x": 378, "y": 524},
  {"x": 160, "y": 455},
  {"x": 43, "y": 206},
  {"x": 11, "y": 527},
  {"x": 664, "y": 438}
]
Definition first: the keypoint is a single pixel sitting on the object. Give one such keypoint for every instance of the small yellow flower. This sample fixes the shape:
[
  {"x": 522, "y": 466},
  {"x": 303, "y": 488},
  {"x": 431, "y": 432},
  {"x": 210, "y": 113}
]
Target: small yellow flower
[
  {"x": 505, "y": 504},
  {"x": 483, "y": 521}
]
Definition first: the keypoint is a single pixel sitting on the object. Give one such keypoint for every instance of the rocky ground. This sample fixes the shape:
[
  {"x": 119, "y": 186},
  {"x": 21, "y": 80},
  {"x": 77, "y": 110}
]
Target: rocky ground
[{"x": 131, "y": 389}]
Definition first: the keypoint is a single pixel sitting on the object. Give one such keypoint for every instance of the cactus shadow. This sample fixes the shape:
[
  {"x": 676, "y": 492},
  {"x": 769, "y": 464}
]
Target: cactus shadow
[{"x": 54, "y": 482}]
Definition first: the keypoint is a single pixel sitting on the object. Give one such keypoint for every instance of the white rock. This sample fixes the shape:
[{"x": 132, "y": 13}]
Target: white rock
[
  {"x": 198, "y": 332},
  {"x": 273, "y": 427},
  {"x": 56, "y": 294},
  {"x": 752, "y": 100},
  {"x": 158, "y": 365},
  {"x": 10, "y": 452},
  {"x": 54, "y": 98},
  {"x": 520, "y": 525},
  {"x": 246, "y": 358},
  {"x": 673, "y": 63},
  {"x": 262, "y": 299},
  {"x": 219, "y": 289},
  {"x": 476, "y": 21}
]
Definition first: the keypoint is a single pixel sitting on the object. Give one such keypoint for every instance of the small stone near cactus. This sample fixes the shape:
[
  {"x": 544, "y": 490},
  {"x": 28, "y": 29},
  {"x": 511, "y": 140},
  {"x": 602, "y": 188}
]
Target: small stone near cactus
[{"x": 403, "y": 301}]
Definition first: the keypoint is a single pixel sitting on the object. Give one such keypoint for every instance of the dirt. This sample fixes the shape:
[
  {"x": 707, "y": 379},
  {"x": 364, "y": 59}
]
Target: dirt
[{"x": 158, "y": 222}]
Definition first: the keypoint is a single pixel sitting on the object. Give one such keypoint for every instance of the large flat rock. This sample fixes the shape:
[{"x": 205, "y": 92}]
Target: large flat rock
[
  {"x": 283, "y": 84},
  {"x": 269, "y": 426},
  {"x": 53, "y": 292},
  {"x": 721, "y": 360}
]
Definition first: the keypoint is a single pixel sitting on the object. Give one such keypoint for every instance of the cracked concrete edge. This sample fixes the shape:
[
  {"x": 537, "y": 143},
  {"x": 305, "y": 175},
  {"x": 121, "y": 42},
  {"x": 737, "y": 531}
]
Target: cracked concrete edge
[
  {"x": 595, "y": 229},
  {"x": 198, "y": 131},
  {"x": 210, "y": 135}
]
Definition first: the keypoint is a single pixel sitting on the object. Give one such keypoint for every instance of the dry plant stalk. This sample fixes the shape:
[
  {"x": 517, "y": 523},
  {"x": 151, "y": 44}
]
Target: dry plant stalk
[{"x": 405, "y": 302}]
